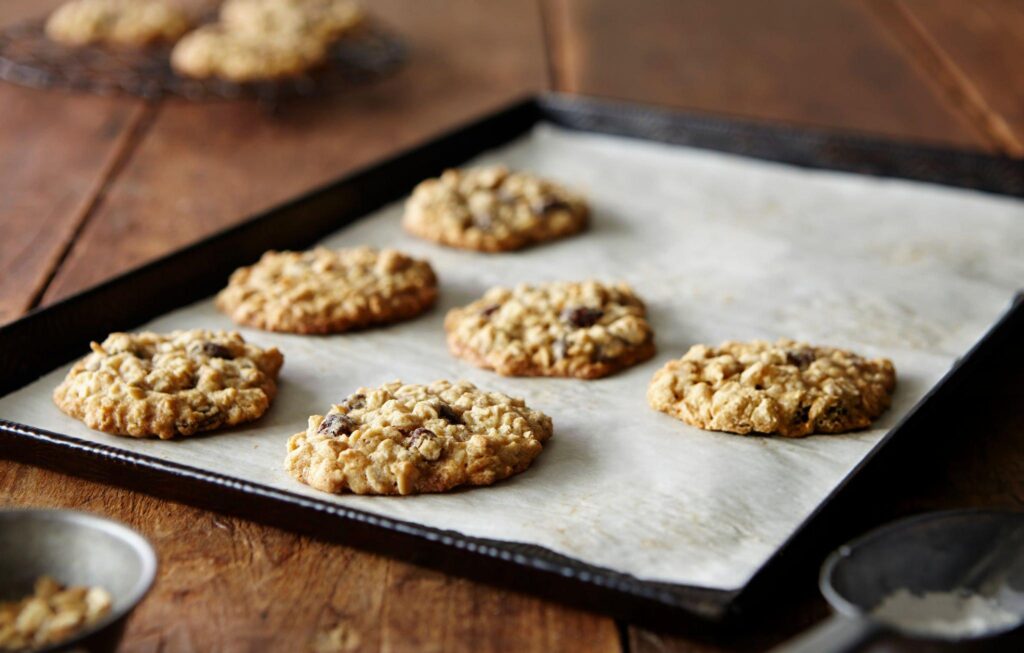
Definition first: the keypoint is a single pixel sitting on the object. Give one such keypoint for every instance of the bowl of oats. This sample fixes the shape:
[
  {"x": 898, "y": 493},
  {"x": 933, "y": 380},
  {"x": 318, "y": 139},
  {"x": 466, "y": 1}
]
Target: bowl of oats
[{"x": 68, "y": 580}]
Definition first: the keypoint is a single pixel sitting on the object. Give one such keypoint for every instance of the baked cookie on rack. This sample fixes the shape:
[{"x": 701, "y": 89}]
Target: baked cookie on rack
[
  {"x": 326, "y": 20},
  {"x": 133, "y": 23},
  {"x": 492, "y": 209},
  {"x": 170, "y": 385},
  {"x": 787, "y": 388},
  {"x": 412, "y": 439},
  {"x": 584, "y": 330},
  {"x": 329, "y": 291},
  {"x": 212, "y": 51}
]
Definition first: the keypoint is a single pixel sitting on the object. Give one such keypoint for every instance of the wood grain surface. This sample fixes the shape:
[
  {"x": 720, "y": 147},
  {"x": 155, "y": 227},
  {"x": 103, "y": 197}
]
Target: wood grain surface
[
  {"x": 980, "y": 45},
  {"x": 90, "y": 186},
  {"x": 237, "y": 158},
  {"x": 801, "y": 61}
]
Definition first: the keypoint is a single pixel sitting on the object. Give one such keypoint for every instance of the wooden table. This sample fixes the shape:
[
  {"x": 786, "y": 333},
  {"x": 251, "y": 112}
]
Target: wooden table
[{"x": 91, "y": 186}]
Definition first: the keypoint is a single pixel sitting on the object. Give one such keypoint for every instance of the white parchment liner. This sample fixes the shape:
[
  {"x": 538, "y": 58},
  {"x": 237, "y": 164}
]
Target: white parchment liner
[{"x": 721, "y": 248}]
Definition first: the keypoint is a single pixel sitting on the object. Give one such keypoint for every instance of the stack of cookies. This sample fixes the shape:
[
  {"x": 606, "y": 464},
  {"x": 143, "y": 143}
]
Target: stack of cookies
[
  {"x": 413, "y": 438},
  {"x": 265, "y": 39}
]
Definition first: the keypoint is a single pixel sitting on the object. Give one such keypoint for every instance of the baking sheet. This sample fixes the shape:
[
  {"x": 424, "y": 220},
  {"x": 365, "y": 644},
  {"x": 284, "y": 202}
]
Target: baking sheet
[{"x": 720, "y": 247}]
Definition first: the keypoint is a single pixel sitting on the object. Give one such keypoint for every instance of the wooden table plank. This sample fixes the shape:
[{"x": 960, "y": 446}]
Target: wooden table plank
[
  {"x": 56, "y": 153},
  {"x": 205, "y": 166},
  {"x": 825, "y": 64},
  {"x": 975, "y": 49}
]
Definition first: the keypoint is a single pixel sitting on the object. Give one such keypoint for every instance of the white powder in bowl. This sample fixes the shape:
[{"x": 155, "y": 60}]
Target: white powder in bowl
[{"x": 950, "y": 615}]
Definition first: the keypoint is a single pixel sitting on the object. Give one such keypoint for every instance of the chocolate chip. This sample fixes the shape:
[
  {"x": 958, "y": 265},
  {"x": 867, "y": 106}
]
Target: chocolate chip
[
  {"x": 355, "y": 402},
  {"x": 337, "y": 424},
  {"x": 834, "y": 416},
  {"x": 801, "y": 414},
  {"x": 800, "y": 357},
  {"x": 445, "y": 412},
  {"x": 546, "y": 205},
  {"x": 213, "y": 350},
  {"x": 419, "y": 434},
  {"x": 582, "y": 316},
  {"x": 490, "y": 310},
  {"x": 203, "y": 419}
]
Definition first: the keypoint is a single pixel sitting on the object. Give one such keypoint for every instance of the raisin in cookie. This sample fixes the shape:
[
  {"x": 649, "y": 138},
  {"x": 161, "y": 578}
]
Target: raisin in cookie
[
  {"x": 584, "y": 330},
  {"x": 787, "y": 388},
  {"x": 329, "y": 291},
  {"x": 212, "y": 51},
  {"x": 178, "y": 384},
  {"x": 326, "y": 20},
  {"x": 410, "y": 439},
  {"x": 492, "y": 209},
  {"x": 116, "y": 22}
]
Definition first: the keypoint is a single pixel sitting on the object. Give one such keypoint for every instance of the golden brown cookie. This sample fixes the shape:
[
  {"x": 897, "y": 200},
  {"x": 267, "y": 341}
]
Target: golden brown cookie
[
  {"x": 584, "y": 330},
  {"x": 329, "y": 291},
  {"x": 326, "y": 20},
  {"x": 492, "y": 209},
  {"x": 116, "y": 22},
  {"x": 215, "y": 52},
  {"x": 51, "y": 615},
  {"x": 169, "y": 385},
  {"x": 787, "y": 388},
  {"x": 411, "y": 439}
]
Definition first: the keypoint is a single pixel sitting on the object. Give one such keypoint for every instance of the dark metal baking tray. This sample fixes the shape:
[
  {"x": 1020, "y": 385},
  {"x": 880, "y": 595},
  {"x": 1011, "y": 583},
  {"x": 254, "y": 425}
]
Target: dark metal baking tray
[{"x": 53, "y": 336}]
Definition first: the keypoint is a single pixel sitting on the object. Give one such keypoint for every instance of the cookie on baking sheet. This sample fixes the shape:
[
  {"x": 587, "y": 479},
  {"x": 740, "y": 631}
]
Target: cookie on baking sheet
[
  {"x": 329, "y": 291},
  {"x": 168, "y": 385},
  {"x": 215, "y": 52},
  {"x": 578, "y": 329},
  {"x": 326, "y": 20},
  {"x": 411, "y": 439},
  {"x": 117, "y": 22},
  {"x": 787, "y": 388},
  {"x": 492, "y": 209}
]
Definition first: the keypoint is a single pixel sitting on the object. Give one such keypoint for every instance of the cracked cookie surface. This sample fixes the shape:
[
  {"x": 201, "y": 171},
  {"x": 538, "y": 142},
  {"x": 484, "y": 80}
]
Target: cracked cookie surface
[
  {"x": 573, "y": 329},
  {"x": 493, "y": 209},
  {"x": 787, "y": 388},
  {"x": 411, "y": 439},
  {"x": 170, "y": 385},
  {"x": 329, "y": 291},
  {"x": 213, "y": 51},
  {"x": 116, "y": 22}
]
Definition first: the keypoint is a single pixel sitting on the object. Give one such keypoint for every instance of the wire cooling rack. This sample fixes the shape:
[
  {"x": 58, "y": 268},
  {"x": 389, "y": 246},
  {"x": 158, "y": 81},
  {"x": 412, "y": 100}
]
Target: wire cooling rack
[{"x": 29, "y": 58}]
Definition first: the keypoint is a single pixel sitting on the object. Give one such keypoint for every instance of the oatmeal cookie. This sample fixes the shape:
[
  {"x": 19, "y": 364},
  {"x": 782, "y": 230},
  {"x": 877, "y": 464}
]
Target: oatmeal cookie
[
  {"x": 411, "y": 439},
  {"x": 584, "y": 330},
  {"x": 788, "y": 388},
  {"x": 329, "y": 291},
  {"x": 117, "y": 22},
  {"x": 178, "y": 384},
  {"x": 325, "y": 20},
  {"x": 492, "y": 209},
  {"x": 52, "y": 614},
  {"x": 215, "y": 52}
]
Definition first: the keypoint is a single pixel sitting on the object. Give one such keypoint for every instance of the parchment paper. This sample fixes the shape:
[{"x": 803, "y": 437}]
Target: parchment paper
[{"x": 721, "y": 248}]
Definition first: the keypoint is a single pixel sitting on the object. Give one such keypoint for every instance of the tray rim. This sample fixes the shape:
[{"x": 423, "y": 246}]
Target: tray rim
[{"x": 618, "y": 593}]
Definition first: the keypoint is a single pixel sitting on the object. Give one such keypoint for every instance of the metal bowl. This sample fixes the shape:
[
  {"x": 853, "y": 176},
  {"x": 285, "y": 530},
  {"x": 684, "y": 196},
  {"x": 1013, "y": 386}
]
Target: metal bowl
[{"x": 76, "y": 548}]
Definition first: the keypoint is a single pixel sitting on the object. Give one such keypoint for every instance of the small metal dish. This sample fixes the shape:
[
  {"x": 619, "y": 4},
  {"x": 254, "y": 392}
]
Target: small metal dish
[{"x": 76, "y": 548}]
